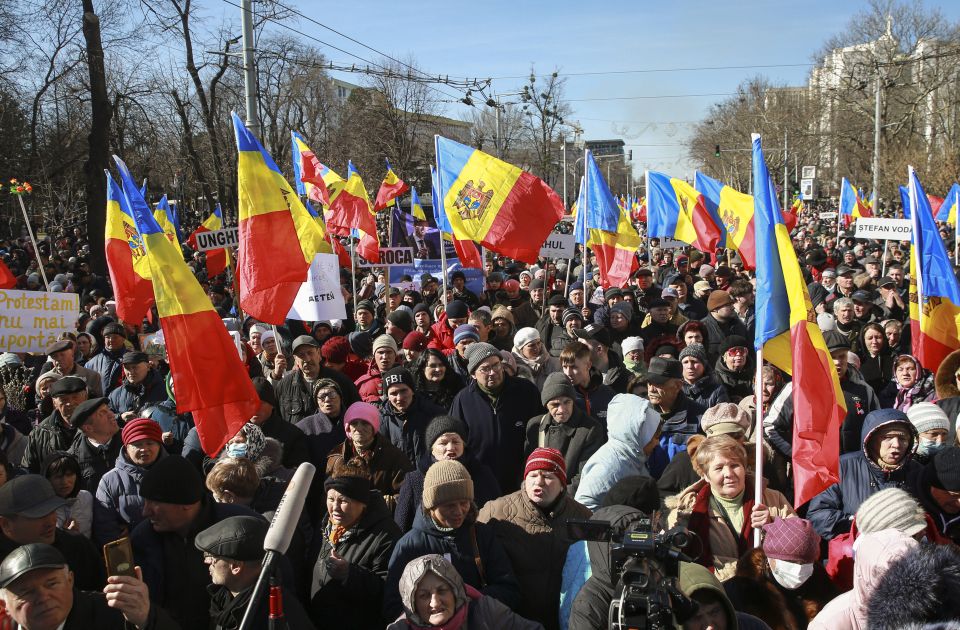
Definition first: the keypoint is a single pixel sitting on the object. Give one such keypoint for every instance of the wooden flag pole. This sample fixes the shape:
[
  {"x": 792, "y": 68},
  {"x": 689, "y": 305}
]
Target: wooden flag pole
[
  {"x": 758, "y": 441},
  {"x": 33, "y": 239}
]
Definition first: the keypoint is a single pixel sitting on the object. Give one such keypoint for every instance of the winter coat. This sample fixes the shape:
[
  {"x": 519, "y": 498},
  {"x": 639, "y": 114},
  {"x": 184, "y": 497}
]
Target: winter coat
[
  {"x": 578, "y": 439},
  {"x": 294, "y": 442},
  {"x": 13, "y": 443},
  {"x": 754, "y": 590},
  {"x": 497, "y": 427},
  {"x": 370, "y": 385},
  {"x": 442, "y": 338},
  {"x": 948, "y": 395},
  {"x": 463, "y": 547},
  {"x": 860, "y": 477},
  {"x": 410, "y": 499},
  {"x": 717, "y": 332},
  {"x": 108, "y": 365},
  {"x": 738, "y": 384},
  {"x": 173, "y": 567},
  {"x": 696, "y": 509},
  {"x": 387, "y": 466},
  {"x": 227, "y": 611},
  {"x": 133, "y": 396},
  {"x": 631, "y": 425},
  {"x": 406, "y": 430},
  {"x": 118, "y": 504},
  {"x": 84, "y": 558},
  {"x": 594, "y": 399},
  {"x": 894, "y": 396},
  {"x": 681, "y": 422},
  {"x": 875, "y": 553},
  {"x": 52, "y": 434},
  {"x": 94, "y": 461},
  {"x": 295, "y": 396},
  {"x": 321, "y": 435},
  {"x": 707, "y": 391},
  {"x": 367, "y": 546},
  {"x": 78, "y": 509},
  {"x": 90, "y": 377},
  {"x": 536, "y": 542},
  {"x": 858, "y": 396},
  {"x": 90, "y": 610},
  {"x": 948, "y": 525},
  {"x": 554, "y": 336},
  {"x": 537, "y": 370},
  {"x": 679, "y": 473}
]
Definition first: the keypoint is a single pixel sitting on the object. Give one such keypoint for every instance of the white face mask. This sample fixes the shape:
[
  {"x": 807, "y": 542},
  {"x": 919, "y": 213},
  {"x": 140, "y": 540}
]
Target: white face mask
[{"x": 791, "y": 575}]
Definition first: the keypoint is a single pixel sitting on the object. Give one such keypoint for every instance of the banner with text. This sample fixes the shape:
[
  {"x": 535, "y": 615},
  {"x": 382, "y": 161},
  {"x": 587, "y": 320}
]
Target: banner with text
[
  {"x": 30, "y": 321},
  {"x": 320, "y": 297},
  {"x": 558, "y": 246},
  {"x": 218, "y": 239},
  {"x": 474, "y": 277},
  {"x": 884, "y": 229}
]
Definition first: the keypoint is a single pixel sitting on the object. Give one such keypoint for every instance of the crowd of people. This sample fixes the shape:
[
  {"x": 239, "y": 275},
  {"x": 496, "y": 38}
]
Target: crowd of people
[{"x": 459, "y": 437}]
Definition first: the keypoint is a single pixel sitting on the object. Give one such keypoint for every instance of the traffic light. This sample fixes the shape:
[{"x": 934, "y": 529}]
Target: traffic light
[
  {"x": 796, "y": 188},
  {"x": 716, "y": 150},
  {"x": 630, "y": 155}
]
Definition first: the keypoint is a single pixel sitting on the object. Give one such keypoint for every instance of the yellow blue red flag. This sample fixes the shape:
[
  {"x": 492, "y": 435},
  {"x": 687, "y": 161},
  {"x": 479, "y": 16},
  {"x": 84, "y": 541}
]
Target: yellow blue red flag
[
  {"x": 217, "y": 259},
  {"x": 614, "y": 248},
  {"x": 733, "y": 210},
  {"x": 126, "y": 259},
  {"x": 390, "y": 188},
  {"x": 675, "y": 209}
]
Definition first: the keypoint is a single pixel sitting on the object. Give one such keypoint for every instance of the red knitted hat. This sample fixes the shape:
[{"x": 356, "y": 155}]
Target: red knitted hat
[
  {"x": 335, "y": 350},
  {"x": 141, "y": 429},
  {"x": 415, "y": 340},
  {"x": 549, "y": 459}
]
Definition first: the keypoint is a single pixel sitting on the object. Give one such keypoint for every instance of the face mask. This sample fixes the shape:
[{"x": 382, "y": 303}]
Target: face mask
[
  {"x": 791, "y": 575},
  {"x": 929, "y": 447},
  {"x": 237, "y": 449}
]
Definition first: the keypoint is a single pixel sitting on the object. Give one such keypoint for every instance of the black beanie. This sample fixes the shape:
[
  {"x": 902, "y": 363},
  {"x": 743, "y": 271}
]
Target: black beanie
[
  {"x": 943, "y": 471},
  {"x": 397, "y": 376},
  {"x": 401, "y": 319},
  {"x": 172, "y": 480},
  {"x": 356, "y": 488},
  {"x": 457, "y": 310},
  {"x": 265, "y": 390},
  {"x": 444, "y": 424}
]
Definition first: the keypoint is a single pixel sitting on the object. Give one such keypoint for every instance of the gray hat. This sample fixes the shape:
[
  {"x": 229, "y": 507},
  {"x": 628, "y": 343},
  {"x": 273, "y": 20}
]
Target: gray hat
[
  {"x": 557, "y": 385},
  {"x": 134, "y": 356},
  {"x": 26, "y": 558},
  {"x": 31, "y": 496},
  {"x": 477, "y": 353},
  {"x": 836, "y": 341},
  {"x": 697, "y": 351},
  {"x": 304, "y": 340},
  {"x": 236, "y": 537}
]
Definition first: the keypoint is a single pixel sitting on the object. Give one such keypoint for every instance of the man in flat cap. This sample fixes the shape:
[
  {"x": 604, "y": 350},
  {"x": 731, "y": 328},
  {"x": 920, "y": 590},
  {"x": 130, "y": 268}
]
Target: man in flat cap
[
  {"x": 233, "y": 550},
  {"x": 142, "y": 385},
  {"x": 108, "y": 362},
  {"x": 64, "y": 363},
  {"x": 38, "y": 589},
  {"x": 295, "y": 390},
  {"x": 97, "y": 442},
  {"x": 55, "y": 433}
]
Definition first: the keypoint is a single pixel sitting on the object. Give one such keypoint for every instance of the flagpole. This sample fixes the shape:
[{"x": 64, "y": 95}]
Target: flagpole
[
  {"x": 566, "y": 282},
  {"x": 758, "y": 441},
  {"x": 353, "y": 269},
  {"x": 440, "y": 193},
  {"x": 916, "y": 253},
  {"x": 883, "y": 266},
  {"x": 33, "y": 239}
]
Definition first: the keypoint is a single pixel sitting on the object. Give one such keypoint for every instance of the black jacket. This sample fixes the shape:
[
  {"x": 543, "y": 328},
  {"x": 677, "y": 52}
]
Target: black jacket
[
  {"x": 108, "y": 365},
  {"x": 498, "y": 426},
  {"x": 83, "y": 558},
  {"x": 90, "y": 610},
  {"x": 94, "y": 462},
  {"x": 295, "y": 448},
  {"x": 406, "y": 430},
  {"x": 131, "y": 397},
  {"x": 52, "y": 434},
  {"x": 367, "y": 547},
  {"x": 295, "y": 398},
  {"x": 717, "y": 332},
  {"x": 577, "y": 439}
]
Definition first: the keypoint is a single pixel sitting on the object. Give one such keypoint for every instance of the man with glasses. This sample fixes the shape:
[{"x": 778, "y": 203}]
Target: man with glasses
[
  {"x": 735, "y": 368},
  {"x": 495, "y": 407}
]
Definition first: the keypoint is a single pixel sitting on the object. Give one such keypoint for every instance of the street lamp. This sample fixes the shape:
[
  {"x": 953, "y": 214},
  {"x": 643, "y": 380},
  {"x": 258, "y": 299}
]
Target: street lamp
[{"x": 495, "y": 103}]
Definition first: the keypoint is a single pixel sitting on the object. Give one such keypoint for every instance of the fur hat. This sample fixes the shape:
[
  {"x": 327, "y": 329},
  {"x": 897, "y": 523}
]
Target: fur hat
[
  {"x": 446, "y": 480},
  {"x": 918, "y": 589}
]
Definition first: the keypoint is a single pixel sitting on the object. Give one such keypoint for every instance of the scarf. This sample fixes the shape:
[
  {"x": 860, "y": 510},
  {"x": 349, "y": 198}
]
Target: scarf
[{"x": 701, "y": 522}]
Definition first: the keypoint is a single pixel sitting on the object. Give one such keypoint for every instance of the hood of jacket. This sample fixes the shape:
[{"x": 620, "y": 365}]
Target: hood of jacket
[
  {"x": 878, "y": 419},
  {"x": 621, "y": 518},
  {"x": 945, "y": 382},
  {"x": 875, "y": 553},
  {"x": 695, "y": 577},
  {"x": 632, "y": 421},
  {"x": 414, "y": 572}
]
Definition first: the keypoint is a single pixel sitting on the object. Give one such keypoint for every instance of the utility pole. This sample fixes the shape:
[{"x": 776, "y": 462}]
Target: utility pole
[
  {"x": 564, "y": 145},
  {"x": 249, "y": 67},
  {"x": 784, "y": 170},
  {"x": 876, "y": 133}
]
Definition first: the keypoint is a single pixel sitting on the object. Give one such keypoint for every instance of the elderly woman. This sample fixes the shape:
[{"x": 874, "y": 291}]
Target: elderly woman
[
  {"x": 324, "y": 429},
  {"x": 720, "y": 508},
  {"x": 448, "y": 525},
  {"x": 447, "y": 437},
  {"x": 434, "y": 379},
  {"x": 350, "y": 558},
  {"x": 534, "y": 362},
  {"x": 911, "y": 384},
  {"x": 434, "y": 596}
]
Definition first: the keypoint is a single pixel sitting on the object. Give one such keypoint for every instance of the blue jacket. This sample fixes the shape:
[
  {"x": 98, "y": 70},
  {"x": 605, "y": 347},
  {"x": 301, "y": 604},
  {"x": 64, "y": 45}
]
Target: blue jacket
[
  {"x": 406, "y": 431},
  {"x": 498, "y": 580},
  {"x": 832, "y": 510},
  {"x": 131, "y": 397},
  {"x": 498, "y": 429},
  {"x": 118, "y": 503},
  {"x": 108, "y": 366}
]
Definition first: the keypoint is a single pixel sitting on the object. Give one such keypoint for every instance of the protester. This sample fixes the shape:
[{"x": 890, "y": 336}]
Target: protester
[
  {"x": 141, "y": 386},
  {"x": 97, "y": 442},
  {"x": 55, "y": 433},
  {"x": 404, "y": 415},
  {"x": 324, "y": 429},
  {"x": 63, "y": 472},
  {"x": 534, "y": 362},
  {"x": 699, "y": 381},
  {"x": 435, "y": 380},
  {"x": 938, "y": 490},
  {"x": 897, "y": 602}
]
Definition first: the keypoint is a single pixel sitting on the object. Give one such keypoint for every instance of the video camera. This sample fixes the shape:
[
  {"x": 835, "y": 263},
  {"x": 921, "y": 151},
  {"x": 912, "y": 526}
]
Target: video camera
[{"x": 644, "y": 569}]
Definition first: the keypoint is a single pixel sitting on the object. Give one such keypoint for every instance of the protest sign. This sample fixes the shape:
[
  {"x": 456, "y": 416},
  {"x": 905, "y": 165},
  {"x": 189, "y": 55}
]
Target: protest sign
[
  {"x": 320, "y": 296},
  {"x": 419, "y": 267},
  {"x": 884, "y": 229},
  {"x": 32, "y": 320},
  {"x": 558, "y": 246},
  {"x": 218, "y": 239},
  {"x": 827, "y": 215},
  {"x": 391, "y": 257}
]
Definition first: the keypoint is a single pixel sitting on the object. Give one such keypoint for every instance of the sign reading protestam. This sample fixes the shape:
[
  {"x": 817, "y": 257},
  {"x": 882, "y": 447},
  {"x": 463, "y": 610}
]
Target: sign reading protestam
[{"x": 30, "y": 321}]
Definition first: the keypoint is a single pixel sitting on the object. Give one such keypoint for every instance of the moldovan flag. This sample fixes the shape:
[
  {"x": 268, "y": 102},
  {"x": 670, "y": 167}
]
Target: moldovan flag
[
  {"x": 734, "y": 212},
  {"x": 466, "y": 250},
  {"x": 948, "y": 209},
  {"x": 390, "y": 188},
  {"x": 210, "y": 380},
  {"x": 494, "y": 203},
  {"x": 217, "y": 259},
  {"x": 614, "y": 248},
  {"x": 675, "y": 209},
  {"x": 934, "y": 294},
  {"x": 278, "y": 237},
  {"x": 126, "y": 259},
  {"x": 7, "y": 279},
  {"x": 851, "y": 206},
  {"x": 164, "y": 216},
  {"x": 787, "y": 331}
]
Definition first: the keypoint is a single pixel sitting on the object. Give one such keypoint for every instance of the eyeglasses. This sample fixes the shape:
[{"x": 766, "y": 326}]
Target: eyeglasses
[
  {"x": 737, "y": 351},
  {"x": 326, "y": 395},
  {"x": 490, "y": 369}
]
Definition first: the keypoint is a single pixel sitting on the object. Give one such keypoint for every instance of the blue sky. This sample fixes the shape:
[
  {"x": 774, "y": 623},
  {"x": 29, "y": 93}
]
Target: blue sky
[{"x": 502, "y": 39}]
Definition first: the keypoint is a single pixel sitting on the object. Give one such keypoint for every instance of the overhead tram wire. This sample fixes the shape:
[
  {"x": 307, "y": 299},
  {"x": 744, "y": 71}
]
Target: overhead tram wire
[{"x": 654, "y": 70}]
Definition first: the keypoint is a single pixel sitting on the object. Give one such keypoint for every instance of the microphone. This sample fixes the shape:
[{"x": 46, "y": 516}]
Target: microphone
[
  {"x": 288, "y": 512},
  {"x": 278, "y": 537}
]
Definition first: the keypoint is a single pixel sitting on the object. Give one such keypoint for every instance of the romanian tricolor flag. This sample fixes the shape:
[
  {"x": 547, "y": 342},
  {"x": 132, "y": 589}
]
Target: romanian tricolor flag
[
  {"x": 676, "y": 210},
  {"x": 734, "y": 211},
  {"x": 493, "y": 203},
  {"x": 390, "y": 188},
  {"x": 350, "y": 208},
  {"x": 788, "y": 333},
  {"x": 615, "y": 248},
  {"x": 278, "y": 237},
  {"x": 126, "y": 259},
  {"x": 948, "y": 209},
  {"x": 7, "y": 279},
  {"x": 314, "y": 181},
  {"x": 934, "y": 294},
  {"x": 165, "y": 218},
  {"x": 210, "y": 380},
  {"x": 217, "y": 259},
  {"x": 851, "y": 205}
]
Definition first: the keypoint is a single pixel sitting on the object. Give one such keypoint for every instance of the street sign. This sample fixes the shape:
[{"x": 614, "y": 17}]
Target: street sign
[
  {"x": 828, "y": 215},
  {"x": 884, "y": 229},
  {"x": 391, "y": 257},
  {"x": 558, "y": 246},
  {"x": 808, "y": 172},
  {"x": 807, "y": 189},
  {"x": 218, "y": 239}
]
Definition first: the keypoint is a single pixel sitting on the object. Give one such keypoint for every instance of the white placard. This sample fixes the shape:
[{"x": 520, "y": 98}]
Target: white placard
[
  {"x": 30, "y": 321},
  {"x": 671, "y": 243},
  {"x": 218, "y": 239},
  {"x": 391, "y": 257},
  {"x": 806, "y": 189},
  {"x": 320, "y": 296},
  {"x": 884, "y": 229},
  {"x": 828, "y": 215},
  {"x": 558, "y": 246}
]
